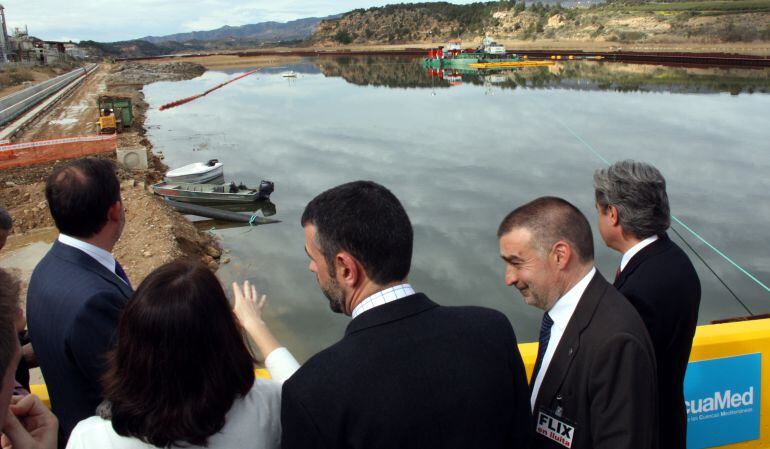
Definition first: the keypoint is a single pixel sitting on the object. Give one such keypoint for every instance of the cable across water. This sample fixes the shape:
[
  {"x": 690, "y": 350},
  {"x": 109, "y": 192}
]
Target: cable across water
[{"x": 681, "y": 223}]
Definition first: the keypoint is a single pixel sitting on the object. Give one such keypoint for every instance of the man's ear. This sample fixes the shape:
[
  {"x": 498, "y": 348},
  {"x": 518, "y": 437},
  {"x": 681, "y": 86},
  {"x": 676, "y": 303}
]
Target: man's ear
[
  {"x": 348, "y": 269},
  {"x": 561, "y": 254},
  {"x": 612, "y": 211},
  {"x": 115, "y": 211}
]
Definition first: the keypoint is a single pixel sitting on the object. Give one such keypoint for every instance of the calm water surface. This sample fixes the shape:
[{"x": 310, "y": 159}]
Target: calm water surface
[{"x": 461, "y": 151}]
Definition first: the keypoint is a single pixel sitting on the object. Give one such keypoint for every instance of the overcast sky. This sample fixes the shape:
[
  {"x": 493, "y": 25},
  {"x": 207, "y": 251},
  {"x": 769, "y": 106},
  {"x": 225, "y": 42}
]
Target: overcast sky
[{"x": 130, "y": 19}]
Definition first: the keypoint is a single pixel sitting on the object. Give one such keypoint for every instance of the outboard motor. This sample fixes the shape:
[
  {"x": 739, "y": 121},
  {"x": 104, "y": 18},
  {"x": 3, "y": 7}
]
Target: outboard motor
[
  {"x": 212, "y": 162},
  {"x": 265, "y": 189}
]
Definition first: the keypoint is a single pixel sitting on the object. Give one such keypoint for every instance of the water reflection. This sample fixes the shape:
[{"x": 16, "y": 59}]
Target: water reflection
[
  {"x": 575, "y": 75},
  {"x": 460, "y": 160}
]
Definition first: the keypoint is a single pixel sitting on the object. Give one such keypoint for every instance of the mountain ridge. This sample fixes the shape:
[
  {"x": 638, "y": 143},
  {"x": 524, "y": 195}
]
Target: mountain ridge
[{"x": 270, "y": 31}]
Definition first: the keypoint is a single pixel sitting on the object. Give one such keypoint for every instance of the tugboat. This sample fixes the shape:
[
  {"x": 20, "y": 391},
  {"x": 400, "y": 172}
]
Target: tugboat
[{"x": 453, "y": 56}]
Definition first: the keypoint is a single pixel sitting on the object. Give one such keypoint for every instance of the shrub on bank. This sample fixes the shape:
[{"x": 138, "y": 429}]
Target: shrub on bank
[{"x": 13, "y": 76}]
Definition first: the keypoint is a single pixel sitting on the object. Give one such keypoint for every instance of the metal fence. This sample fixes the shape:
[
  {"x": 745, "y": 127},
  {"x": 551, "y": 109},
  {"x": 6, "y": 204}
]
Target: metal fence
[{"x": 17, "y": 103}]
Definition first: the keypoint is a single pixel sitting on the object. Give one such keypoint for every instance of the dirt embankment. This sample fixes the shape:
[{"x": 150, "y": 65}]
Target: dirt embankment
[
  {"x": 154, "y": 233},
  {"x": 14, "y": 78}
]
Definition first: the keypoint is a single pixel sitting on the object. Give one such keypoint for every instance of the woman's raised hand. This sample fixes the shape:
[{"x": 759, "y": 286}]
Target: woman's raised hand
[{"x": 248, "y": 305}]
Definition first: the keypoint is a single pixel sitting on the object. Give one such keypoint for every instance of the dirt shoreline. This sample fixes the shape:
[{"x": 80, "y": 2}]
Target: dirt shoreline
[
  {"x": 230, "y": 58},
  {"x": 154, "y": 233}
]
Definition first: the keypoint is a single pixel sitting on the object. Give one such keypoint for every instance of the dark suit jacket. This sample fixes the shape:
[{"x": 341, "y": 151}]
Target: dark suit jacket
[
  {"x": 663, "y": 286},
  {"x": 73, "y": 303},
  {"x": 412, "y": 374},
  {"x": 601, "y": 378}
]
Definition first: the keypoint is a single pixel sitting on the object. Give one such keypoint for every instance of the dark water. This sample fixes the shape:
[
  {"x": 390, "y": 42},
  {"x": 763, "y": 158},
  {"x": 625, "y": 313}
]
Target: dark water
[{"x": 463, "y": 150}]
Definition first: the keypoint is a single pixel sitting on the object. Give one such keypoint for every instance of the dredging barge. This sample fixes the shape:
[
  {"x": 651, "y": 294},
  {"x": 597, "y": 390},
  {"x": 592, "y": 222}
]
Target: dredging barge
[{"x": 489, "y": 55}]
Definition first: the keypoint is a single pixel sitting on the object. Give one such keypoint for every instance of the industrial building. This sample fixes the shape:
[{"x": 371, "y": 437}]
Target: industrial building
[{"x": 20, "y": 47}]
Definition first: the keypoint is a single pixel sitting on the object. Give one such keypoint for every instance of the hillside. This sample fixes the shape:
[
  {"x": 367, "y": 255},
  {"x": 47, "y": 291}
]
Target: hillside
[
  {"x": 138, "y": 48},
  {"x": 259, "y": 32},
  {"x": 224, "y": 38},
  {"x": 708, "y": 21}
]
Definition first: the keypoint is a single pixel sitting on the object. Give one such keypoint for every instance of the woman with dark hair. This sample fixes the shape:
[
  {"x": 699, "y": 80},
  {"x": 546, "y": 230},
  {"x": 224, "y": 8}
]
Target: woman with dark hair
[{"x": 181, "y": 373}]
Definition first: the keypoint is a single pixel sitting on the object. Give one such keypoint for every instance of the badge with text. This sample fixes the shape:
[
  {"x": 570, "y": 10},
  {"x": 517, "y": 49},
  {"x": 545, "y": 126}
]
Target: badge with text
[{"x": 555, "y": 428}]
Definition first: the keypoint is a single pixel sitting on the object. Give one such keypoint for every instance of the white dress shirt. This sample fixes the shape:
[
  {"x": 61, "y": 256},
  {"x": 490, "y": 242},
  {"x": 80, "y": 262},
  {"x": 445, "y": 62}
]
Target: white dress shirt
[
  {"x": 383, "y": 297},
  {"x": 560, "y": 313},
  {"x": 635, "y": 249},
  {"x": 98, "y": 254}
]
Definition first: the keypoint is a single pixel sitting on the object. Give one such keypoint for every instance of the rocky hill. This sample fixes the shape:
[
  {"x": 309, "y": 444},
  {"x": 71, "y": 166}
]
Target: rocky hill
[{"x": 705, "y": 21}]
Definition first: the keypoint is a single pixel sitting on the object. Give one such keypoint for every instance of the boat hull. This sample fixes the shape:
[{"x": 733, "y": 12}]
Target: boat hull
[
  {"x": 195, "y": 173},
  {"x": 212, "y": 193}
]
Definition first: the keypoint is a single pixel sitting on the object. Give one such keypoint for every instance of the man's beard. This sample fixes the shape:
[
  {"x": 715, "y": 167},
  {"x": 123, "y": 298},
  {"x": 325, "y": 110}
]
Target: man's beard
[{"x": 335, "y": 295}]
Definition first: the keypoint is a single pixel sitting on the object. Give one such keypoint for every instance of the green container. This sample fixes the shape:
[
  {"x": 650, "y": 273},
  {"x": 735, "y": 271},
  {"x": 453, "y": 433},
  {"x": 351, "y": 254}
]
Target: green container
[{"x": 121, "y": 107}]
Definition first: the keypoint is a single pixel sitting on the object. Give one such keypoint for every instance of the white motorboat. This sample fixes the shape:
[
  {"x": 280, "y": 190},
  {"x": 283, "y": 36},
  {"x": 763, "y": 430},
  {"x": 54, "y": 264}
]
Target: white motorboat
[
  {"x": 289, "y": 74},
  {"x": 196, "y": 173}
]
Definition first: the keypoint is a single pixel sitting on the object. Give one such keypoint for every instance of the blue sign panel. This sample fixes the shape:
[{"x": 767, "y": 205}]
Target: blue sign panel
[{"x": 722, "y": 399}]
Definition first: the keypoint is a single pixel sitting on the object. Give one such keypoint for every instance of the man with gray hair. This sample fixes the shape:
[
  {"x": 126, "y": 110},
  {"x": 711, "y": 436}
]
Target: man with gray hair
[
  {"x": 655, "y": 275},
  {"x": 593, "y": 385}
]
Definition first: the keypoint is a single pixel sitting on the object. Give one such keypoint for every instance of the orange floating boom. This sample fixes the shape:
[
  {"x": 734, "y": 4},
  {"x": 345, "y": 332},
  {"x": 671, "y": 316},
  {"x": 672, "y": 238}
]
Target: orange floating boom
[{"x": 176, "y": 103}]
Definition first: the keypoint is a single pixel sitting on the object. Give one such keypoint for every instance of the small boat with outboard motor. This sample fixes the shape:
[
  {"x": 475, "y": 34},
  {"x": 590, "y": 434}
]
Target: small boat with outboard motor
[
  {"x": 196, "y": 173},
  {"x": 214, "y": 193}
]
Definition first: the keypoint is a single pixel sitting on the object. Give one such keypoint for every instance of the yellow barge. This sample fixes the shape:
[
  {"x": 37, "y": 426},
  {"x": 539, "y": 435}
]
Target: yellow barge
[{"x": 509, "y": 64}]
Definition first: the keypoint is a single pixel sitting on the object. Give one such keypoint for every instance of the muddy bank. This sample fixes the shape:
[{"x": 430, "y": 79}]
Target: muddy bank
[
  {"x": 135, "y": 73},
  {"x": 154, "y": 233}
]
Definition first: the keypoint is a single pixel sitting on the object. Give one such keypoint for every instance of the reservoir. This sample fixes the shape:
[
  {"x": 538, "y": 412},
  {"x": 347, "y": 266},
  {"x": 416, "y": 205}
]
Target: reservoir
[{"x": 461, "y": 150}]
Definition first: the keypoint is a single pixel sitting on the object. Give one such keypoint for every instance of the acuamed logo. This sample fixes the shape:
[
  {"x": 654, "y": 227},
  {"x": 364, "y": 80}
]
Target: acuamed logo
[{"x": 722, "y": 400}]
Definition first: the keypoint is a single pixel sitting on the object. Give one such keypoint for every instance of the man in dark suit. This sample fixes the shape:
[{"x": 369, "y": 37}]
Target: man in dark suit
[
  {"x": 78, "y": 289},
  {"x": 408, "y": 373},
  {"x": 593, "y": 385},
  {"x": 655, "y": 275}
]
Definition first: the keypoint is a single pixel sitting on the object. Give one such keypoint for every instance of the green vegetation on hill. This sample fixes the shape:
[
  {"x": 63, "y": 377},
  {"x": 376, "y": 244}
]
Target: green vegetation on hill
[
  {"x": 707, "y": 21},
  {"x": 735, "y": 6}
]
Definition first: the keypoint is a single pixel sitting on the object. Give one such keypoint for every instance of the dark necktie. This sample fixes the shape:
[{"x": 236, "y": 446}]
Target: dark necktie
[
  {"x": 545, "y": 336},
  {"x": 617, "y": 274},
  {"x": 121, "y": 273}
]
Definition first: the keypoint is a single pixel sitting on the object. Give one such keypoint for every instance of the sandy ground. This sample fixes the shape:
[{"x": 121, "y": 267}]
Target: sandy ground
[
  {"x": 749, "y": 48},
  {"x": 154, "y": 233},
  {"x": 74, "y": 116}
]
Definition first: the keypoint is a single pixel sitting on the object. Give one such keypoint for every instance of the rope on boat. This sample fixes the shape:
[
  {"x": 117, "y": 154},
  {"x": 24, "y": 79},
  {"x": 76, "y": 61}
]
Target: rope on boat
[
  {"x": 176, "y": 103},
  {"x": 689, "y": 229}
]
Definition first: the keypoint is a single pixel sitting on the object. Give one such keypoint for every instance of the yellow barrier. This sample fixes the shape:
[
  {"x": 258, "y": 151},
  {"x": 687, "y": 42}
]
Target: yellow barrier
[
  {"x": 497, "y": 65},
  {"x": 42, "y": 392},
  {"x": 716, "y": 341},
  {"x": 711, "y": 342}
]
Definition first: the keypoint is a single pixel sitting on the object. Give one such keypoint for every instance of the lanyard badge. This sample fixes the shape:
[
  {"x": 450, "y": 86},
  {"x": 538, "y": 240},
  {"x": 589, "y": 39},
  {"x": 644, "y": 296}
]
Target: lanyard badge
[{"x": 555, "y": 428}]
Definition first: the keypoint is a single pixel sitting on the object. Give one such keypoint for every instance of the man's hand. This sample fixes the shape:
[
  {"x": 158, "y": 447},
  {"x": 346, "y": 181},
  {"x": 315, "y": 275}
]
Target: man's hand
[{"x": 29, "y": 425}]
